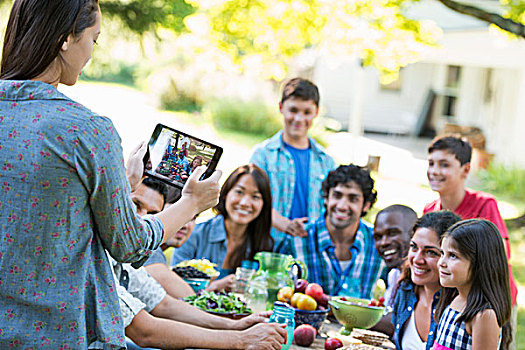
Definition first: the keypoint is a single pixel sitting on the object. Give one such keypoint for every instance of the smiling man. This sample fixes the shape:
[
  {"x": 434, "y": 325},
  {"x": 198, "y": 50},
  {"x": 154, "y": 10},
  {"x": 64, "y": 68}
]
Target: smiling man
[
  {"x": 339, "y": 250},
  {"x": 392, "y": 230}
]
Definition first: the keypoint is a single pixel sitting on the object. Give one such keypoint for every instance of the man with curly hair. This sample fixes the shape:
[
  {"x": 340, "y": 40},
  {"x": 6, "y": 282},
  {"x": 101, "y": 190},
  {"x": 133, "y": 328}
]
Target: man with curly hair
[{"x": 339, "y": 250}]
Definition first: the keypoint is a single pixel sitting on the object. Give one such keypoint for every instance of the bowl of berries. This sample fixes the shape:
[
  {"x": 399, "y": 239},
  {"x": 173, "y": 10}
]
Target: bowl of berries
[
  {"x": 197, "y": 273},
  {"x": 356, "y": 312}
]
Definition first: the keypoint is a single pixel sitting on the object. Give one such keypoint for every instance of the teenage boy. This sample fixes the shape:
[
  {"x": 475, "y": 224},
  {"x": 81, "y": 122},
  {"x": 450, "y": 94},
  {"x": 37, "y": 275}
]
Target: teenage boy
[
  {"x": 392, "y": 231},
  {"x": 448, "y": 167},
  {"x": 339, "y": 249},
  {"x": 294, "y": 162}
]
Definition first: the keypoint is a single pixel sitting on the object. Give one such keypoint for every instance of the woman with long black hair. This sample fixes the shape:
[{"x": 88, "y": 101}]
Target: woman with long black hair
[{"x": 65, "y": 197}]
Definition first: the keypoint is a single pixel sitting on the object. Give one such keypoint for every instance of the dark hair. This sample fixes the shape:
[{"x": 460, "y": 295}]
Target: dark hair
[
  {"x": 197, "y": 157},
  {"x": 300, "y": 88},
  {"x": 455, "y": 144},
  {"x": 437, "y": 221},
  {"x": 408, "y": 213},
  {"x": 480, "y": 242},
  {"x": 347, "y": 173},
  {"x": 156, "y": 185},
  {"x": 258, "y": 236},
  {"x": 36, "y": 31}
]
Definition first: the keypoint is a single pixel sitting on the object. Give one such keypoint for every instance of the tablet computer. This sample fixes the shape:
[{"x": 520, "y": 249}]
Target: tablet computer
[{"x": 172, "y": 156}]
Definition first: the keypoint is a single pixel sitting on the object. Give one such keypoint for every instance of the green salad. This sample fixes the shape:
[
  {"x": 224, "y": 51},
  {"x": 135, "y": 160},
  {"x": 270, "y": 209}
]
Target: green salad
[{"x": 220, "y": 302}]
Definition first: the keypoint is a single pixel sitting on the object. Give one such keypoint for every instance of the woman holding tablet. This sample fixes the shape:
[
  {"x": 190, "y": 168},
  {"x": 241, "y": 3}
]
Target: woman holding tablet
[{"x": 65, "y": 197}]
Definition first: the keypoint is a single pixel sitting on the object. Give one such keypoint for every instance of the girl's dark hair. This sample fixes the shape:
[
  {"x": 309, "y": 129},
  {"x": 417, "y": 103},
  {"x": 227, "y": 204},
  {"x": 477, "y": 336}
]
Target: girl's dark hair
[
  {"x": 36, "y": 31},
  {"x": 258, "y": 236},
  {"x": 437, "y": 221},
  {"x": 480, "y": 242}
]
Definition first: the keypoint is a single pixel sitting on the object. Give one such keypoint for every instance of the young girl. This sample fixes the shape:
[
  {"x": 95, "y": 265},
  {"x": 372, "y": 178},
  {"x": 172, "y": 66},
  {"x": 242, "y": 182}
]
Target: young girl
[{"x": 475, "y": 300}]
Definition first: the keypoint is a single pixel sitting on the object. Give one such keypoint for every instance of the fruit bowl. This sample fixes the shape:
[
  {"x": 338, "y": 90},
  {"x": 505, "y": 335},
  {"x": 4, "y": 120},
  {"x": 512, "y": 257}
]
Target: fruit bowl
[
  {"x": 314, "y": 318},
  {"x": 354, "y": 313}
]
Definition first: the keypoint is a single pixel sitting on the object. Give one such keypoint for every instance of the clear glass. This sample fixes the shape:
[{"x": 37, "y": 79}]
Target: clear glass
[
  {"x": 242, "y": 276},
  {"x": 284, "y": 315},
  {"x": 256, "y": 295}
]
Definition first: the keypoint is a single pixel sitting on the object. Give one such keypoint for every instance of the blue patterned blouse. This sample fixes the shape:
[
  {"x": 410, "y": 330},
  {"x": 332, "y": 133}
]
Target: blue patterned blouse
[{"x": 64, "y": 198}]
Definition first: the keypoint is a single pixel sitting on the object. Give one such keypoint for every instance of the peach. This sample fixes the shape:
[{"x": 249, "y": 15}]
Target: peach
[{"x": 304, "y": 335}]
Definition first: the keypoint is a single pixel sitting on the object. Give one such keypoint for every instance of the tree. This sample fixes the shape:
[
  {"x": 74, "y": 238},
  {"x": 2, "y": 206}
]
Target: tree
[{"x": 510, "y": 22}]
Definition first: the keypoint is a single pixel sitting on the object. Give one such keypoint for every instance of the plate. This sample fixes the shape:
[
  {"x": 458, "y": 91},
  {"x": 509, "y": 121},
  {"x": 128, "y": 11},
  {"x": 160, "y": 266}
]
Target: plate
[{"x": 231, "y": 315}]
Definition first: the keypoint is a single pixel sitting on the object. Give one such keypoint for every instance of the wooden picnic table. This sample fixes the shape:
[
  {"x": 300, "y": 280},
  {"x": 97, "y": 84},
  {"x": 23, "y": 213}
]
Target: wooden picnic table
[{"x": 330, "y": 328}]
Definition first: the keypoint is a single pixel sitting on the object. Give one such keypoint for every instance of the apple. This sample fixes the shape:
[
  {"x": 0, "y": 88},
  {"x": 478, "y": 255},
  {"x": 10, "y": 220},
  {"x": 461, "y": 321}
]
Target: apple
[
  {"x": 285, "y": 294},
  {"x": 315, "y": 291},
  {"x": 295, "y": 298},
  {"x": 323, "y": 301},
  {"x": 381, "y": 301},
  {"x": 332, "y": 344},
  {"x": 306, "y": 302},
  {"x": 300, "y": 286},
  {"x": 304, "y": 335},
  {"x": 372, "y": 302}
]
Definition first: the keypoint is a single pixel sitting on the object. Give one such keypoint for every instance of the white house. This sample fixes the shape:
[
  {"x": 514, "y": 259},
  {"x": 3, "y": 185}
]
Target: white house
[{"x": 478, "y": 76}]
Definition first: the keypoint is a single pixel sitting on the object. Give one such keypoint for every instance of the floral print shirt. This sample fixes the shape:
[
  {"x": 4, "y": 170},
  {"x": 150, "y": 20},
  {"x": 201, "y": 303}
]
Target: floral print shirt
[{"x": 64, "y": 198}]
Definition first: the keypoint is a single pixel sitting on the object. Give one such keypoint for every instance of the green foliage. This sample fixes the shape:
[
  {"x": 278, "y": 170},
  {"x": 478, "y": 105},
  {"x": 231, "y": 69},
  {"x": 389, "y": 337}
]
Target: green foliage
[
  {"x": 176, "y": 99},
  {"x": 142, "y": 16},
  {"x": 248, "y": 116},
  {"x": 274, "y": 32},
  {"x": 503, "y": 180},
  {"x": 112, "y": 72}
]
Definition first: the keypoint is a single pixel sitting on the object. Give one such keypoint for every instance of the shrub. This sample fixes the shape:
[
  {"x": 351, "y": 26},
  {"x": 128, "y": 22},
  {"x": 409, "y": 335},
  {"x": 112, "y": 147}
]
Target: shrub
[
  {"x": 176, "y": 99},
  {"x": 247, "y": 116},
  {"x": 503, "y": 180}
]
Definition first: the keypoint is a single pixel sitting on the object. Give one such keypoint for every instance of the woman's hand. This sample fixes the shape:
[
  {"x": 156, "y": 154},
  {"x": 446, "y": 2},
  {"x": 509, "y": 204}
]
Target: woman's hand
[
  {"x": 227, "y": 284},
  {"x": 135, "y": 165},
  {"x": 204, "y": 194}
]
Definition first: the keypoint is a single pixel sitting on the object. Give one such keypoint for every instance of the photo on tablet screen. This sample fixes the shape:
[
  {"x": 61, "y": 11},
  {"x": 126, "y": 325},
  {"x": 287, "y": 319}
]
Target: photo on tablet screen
[{"x": 173, "y": 155}]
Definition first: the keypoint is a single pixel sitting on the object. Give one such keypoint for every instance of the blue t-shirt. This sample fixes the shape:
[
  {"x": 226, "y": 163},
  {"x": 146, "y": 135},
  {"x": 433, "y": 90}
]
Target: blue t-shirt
[{"x": 301, "y": 160}]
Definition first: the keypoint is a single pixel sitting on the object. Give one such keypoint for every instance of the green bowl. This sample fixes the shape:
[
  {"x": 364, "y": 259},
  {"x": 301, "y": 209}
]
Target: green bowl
[
  {"x": 354, "y": 313},
  {"x": 197, "y": 283}
]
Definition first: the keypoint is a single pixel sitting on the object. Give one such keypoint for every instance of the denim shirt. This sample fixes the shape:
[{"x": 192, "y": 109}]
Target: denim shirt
[
  {"x": 64, "y": 199},
  {"x": 273, "y": 157},
  {"x": 404, "y": 304},
  {"x": 317, "y": 251},
  {"x": 208, "y": 240}
]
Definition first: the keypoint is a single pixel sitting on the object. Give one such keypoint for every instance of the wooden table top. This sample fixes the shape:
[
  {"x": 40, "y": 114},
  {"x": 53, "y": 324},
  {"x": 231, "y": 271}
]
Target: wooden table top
[{"x": 330, "y": 329}]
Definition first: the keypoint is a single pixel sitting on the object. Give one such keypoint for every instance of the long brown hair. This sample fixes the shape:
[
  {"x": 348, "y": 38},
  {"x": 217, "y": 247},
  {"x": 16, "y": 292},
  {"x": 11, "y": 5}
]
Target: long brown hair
[
  {"x": 36, "y": 31},
  {"x": 257, "y": 235},
  {"x": 480, "y": 242}
]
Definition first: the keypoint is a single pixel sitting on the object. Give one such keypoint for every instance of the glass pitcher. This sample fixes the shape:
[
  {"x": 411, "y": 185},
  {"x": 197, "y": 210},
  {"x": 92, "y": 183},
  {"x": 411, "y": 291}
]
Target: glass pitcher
[{"x": 278, "y": 270}]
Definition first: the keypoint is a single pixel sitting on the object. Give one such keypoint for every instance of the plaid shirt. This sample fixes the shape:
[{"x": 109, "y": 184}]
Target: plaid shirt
[
  {"x": 404, "y": 304},
  {"x": 273, "y": 157},
  {"x": 317, "y": 251},
  {"x": 451, "y": 335}
]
